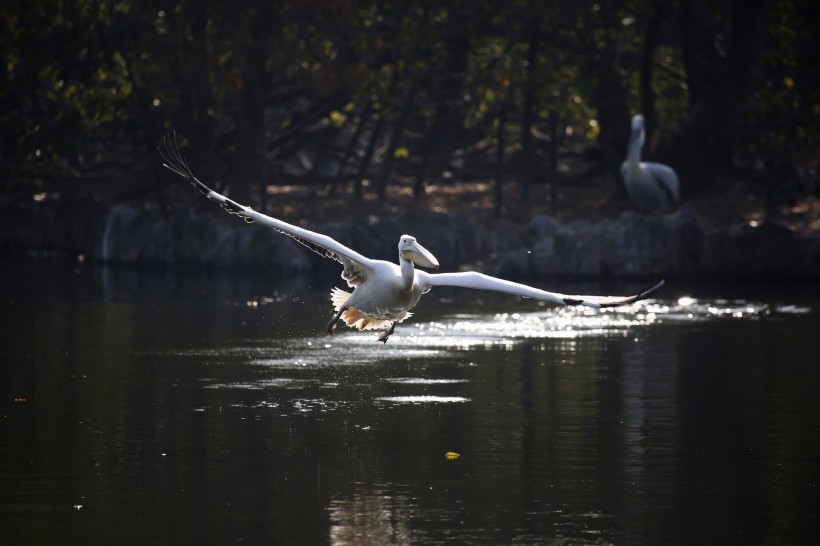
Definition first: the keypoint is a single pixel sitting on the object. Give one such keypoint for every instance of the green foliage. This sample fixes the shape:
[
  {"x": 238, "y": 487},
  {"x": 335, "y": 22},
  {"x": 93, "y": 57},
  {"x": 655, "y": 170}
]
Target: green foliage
[
  {"x": 784, "y": 112},
  {"x": 88, "y": 80}
]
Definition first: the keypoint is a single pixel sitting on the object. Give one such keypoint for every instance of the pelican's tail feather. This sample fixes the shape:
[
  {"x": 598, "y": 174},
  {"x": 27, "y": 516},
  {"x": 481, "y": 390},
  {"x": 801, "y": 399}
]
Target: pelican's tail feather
[
  {"x": 353, "y": 317},
  {"x": 339, "y": 297}
]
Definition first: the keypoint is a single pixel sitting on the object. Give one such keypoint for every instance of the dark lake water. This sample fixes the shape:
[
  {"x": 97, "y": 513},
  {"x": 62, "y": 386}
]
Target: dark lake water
[{"x": 160, "y": 408}]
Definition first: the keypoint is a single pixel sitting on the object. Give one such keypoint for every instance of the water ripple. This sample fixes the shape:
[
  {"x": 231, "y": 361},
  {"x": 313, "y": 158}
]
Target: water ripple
[
  {"x": 423, "y": 399},
  {"x": 423, "y": 381}
]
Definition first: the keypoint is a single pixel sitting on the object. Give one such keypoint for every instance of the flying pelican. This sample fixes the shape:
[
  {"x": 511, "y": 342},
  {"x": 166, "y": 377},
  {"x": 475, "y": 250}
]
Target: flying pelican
[
  {"x": 653, "y": 187},
  {"x": 383, "y": 292}
]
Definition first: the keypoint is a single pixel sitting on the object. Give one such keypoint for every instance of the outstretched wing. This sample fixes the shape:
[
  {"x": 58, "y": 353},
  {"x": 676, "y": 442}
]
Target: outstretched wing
[
  {"x": 355, "y": 265},
  {"x": 480, "y": 281}
]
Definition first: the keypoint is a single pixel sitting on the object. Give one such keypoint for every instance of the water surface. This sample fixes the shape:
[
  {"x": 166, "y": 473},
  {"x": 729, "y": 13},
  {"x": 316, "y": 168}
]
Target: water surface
[{"x": 187, "y": 409}]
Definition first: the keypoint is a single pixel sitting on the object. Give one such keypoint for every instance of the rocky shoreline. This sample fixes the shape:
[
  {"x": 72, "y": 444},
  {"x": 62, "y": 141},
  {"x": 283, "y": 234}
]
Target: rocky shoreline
[{"x": 681, "y": 244}]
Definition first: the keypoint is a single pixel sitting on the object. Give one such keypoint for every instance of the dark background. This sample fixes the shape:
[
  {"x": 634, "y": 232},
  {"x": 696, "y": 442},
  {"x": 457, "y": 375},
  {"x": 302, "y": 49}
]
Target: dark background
[{"x": 356, "y": 98}]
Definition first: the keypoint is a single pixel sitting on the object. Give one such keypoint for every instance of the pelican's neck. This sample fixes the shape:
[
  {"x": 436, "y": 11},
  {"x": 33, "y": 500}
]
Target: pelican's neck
[
  {"x": 408, "y": 272},
  {"x": 633, "y": 153}
]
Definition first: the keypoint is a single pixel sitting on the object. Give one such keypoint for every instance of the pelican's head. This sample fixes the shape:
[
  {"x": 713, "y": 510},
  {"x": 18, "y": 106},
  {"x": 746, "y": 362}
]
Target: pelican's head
[
  {"x": 637, "y": 128},
  {"x": 412, "y": 251}
]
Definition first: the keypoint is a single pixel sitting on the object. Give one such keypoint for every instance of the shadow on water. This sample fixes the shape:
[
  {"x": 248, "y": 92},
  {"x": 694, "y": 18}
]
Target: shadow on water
[{"x": 155, "y": 407}]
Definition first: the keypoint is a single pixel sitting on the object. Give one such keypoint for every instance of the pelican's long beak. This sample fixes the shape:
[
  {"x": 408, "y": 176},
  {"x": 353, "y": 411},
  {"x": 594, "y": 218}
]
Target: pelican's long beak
[{"x": 420, "y": 255}]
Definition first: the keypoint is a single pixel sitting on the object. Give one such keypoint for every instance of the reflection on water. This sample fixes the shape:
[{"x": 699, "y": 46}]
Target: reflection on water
[
  {"x": 174, "y": 409},
  {"x": 365, "y": 517}
]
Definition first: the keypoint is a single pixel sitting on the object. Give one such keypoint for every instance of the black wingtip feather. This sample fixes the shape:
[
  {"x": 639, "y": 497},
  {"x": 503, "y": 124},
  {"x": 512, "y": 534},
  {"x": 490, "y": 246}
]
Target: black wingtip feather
[{"x": 176, "y": 163}]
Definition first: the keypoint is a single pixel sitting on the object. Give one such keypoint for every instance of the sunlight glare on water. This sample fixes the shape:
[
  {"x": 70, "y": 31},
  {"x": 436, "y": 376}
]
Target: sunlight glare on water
[
  {"x": 422, "y": 399},
  {"x": 477, "y": 331},
  {"x": 460, "y": 332},
  {"x": 466, "y": 331}
]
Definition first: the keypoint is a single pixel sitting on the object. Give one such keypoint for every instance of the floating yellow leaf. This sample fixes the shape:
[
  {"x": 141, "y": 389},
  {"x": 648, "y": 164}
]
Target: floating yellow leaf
[{"x": 452, "y": 455}]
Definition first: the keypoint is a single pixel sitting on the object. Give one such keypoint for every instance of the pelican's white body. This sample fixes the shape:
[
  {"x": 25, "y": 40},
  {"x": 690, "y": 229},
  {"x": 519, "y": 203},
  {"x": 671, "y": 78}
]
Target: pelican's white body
[
  {"x": 385, "y": 295},
  {"x": 652, "y": 187}
]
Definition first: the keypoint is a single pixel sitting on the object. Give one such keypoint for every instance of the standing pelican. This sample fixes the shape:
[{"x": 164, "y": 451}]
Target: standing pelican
[
  {"x": 653, "y": 187},
  {"x": 383, "y": 292}
]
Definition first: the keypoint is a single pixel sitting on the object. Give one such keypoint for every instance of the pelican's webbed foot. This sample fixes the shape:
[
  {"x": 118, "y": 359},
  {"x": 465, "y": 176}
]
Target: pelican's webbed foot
[
  {"x": 331, "y": 326},
  {"x": 387, "y": 332}
]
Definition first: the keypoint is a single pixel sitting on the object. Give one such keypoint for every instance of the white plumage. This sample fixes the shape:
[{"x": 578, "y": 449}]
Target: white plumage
[
  {"x": 384, "y": 292},
  {"x": 652, "y": 187}
]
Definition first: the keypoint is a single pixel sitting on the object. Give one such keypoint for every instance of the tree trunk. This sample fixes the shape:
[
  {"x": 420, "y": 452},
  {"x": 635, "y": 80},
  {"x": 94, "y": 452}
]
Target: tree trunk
[
  {"x": 719, "y": 87},
  {"x": 395, "y": 140},
  {"x": 426, "y": 150},
  {"x": 527, "y": 121},
  {"x": 650, "y": 43},
  {"x": 499, "y": 160},
  {"x": 552, "y": 168},
  {"x": 351, "y": 145},
  {"x": 247, "y": 161},
  {"x": 375, "y": 134},
  {"x": 447, "y": 129},
  {"x": 613, "y": 119},
  {"x": 611, "y": 99}
]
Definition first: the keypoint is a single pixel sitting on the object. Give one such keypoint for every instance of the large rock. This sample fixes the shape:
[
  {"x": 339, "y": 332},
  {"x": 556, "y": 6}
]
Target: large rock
[
  {"x": 633, "y": 244},
  {"x": 674, "y": 245},
  {"x": 768, "y": 249}
]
